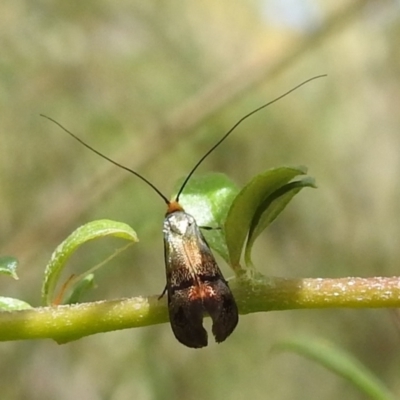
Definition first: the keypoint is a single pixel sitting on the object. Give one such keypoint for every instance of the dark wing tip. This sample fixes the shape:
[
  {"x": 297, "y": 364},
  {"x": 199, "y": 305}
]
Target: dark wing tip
[
  {"x": 223, "y": 311},
  {"x": 186, "y": 320},
  {"x": 226, "y": 321}
]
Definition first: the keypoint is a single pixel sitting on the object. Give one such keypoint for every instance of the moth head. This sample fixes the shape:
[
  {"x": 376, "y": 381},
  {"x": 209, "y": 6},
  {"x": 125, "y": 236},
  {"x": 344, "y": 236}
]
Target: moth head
[{"x": 179, "y": 223}]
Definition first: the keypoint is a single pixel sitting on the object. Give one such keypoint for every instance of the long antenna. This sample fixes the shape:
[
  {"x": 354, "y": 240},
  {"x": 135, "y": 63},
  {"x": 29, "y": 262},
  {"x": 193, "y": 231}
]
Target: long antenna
[
  {"x": 198, "y": 162},
  {"x": 236, "y": 125},
  {"x": 109, "y": 159}
]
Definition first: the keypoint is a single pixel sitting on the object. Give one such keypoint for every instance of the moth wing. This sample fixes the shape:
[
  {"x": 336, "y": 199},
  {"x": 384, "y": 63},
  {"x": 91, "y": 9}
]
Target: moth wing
[
  {"x": 186, "y": 319},
  {"x": 218, "y": 300},
  {"x": 184, "y": 305},
  {"x": 195, "y": 286}
]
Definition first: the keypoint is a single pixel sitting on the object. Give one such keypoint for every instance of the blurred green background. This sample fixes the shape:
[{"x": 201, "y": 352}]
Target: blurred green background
[{"x": 154, "y": 85}]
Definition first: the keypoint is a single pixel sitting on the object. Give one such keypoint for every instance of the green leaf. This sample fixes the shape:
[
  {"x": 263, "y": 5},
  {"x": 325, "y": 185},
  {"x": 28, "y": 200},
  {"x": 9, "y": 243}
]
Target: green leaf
[
  {"x": 85, "y": 233},
  {"x": 246, "y": 203},
  {"x": 8, "y": 266},
  {"x": 208, "y": 199},
  {"x": 270, "y": 208},
  {"x": 83, "y": 286},
  {"x": 339, "y": 362},
  {"x": 10, "y": 304}
]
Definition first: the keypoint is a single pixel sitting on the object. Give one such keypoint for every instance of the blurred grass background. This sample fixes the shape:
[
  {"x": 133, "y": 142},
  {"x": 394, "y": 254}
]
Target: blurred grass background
[{"x": 154, "y": 85}]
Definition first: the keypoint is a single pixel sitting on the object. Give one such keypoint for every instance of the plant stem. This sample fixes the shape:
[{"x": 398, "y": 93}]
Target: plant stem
[{"x": 70, "y": 322}]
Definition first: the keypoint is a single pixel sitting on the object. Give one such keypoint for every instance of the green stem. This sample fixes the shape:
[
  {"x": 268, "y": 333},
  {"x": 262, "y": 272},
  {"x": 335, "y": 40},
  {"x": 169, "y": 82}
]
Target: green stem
[
  {"x": 269, "y": 294},
  {"x": 71, "y": 322}
]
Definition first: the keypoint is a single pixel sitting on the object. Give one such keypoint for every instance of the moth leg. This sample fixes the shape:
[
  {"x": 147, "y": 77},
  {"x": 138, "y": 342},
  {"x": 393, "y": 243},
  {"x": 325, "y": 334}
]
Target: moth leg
[
  {"x": 210, "y": 228},
  {"x": 163, "y": 293}
]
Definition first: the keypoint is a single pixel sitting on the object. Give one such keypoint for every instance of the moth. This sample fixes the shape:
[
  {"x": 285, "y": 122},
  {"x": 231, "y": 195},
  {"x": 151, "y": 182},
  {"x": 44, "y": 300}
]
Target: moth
[{"x": 195, "y": 285}]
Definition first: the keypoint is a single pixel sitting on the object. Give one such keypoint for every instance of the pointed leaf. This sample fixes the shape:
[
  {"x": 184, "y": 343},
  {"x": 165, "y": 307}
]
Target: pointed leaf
[
  {"x": 80, "y": 289},
  {"x": 246, "y": 203},
  {"x": 208, "y": 199},
  {"x": 8, "y": 266},
  {"x": 341, "y": 363},
  {"x": 10, "y": 304},
  {"x": 85, "y": 233},
  {"x": 271, "y": 207}
]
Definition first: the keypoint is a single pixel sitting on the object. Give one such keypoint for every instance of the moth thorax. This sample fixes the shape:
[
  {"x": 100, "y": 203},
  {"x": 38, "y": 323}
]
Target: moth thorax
[{"x": 179, "y": 222}]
